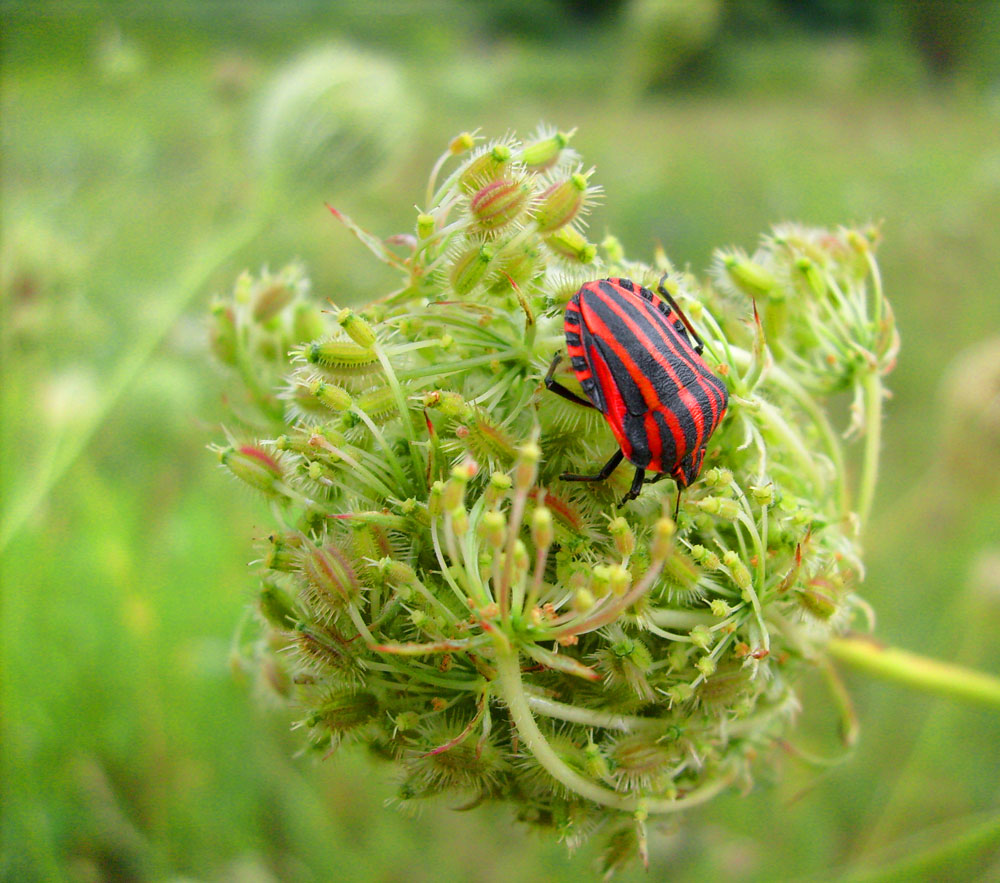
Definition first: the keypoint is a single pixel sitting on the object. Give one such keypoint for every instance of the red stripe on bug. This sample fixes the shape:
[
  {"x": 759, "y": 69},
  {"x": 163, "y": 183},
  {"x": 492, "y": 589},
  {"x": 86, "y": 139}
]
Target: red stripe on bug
[
  {"x": 642, "y": 381},
  {"x": 646, "y": 388},
  {"x": 686, "y": 355}
]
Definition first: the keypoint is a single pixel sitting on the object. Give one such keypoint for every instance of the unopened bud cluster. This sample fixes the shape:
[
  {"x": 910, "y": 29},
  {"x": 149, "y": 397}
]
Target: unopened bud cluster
[{"x": 434, "y": 590}]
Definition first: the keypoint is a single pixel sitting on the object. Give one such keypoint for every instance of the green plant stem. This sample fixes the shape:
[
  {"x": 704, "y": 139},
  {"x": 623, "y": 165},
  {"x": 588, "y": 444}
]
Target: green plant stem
[
  {"x": 916, "y": 671},
  {"x": 63, "y": 456},
  {"x": 872, "y": 386},
  {"x": 512, "y": 691}
]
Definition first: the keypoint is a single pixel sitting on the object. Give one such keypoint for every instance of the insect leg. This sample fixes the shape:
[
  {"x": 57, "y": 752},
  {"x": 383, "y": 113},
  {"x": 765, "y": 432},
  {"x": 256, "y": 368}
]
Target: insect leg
[
  {"x": 606, "y": 470},
  {"x": 699, "y": 343},
  {"x": 633, "y": 491},
  {"x": 560, "y": 390}
]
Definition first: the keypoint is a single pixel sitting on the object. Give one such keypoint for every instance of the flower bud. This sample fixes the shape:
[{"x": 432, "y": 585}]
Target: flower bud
[
  {"x": 275, "y": 605},
  {"x": 434, "y": 507},
  {"x": 334, "y": 397},
  {"x": 619, "y": 579},
  {"x": 663, "y": 535},
  {"x": 496, "y": 490},
  {"x": 583, "y": 600},
  {"x": 720, "y": 608},
  {"x": 461, "y": 143},
  {"x": 425, "y": 225},
  {"x": 493, "y": 528},
  {"x": 282, "y": 555},
  {"x": 459, "y": 521},
  {"x": 763, "y": 494},
  {"x": 741, "y": 576},
  {"x": 486, "y": 166},
  {"x": 706, "y": 665},
  {"x": 542, "y": 533},
  {"x": 749, "y": 277},
  {"x": 569, "y": 243},
  {"x": 701, "y": 637},
  {"x": 600, "y": 579},
  {"x": 817, "y": 603},
  {"x": 499, "y": 203},
  {"x": 520, "y": 556},
  {"x": 329, "y": 576},
  {"x": 623, "y": 536},
  {"x": 357, "y": 328},
  {"x": 705, "y": 557},
  {"x": 379, "y": 404},
  {"x": 454, "y": 489},
  {"x": 613, "y": 249},
  {"x": 270, "y": 299},
  {"x": 223, "y": 333},
  {"x": 468, "y": 269},
  {"x": 544, "y": 153},
  {"x": 345, "y": 710},
  {"x": 721, "y": 506},
  {"x": 340, "y": 355},
  {"x": 526, "y": 468},
  {"x": 254, "y": 466},
  {"x": 561, "y": 203},
  {"x": 813, "y": 277}
]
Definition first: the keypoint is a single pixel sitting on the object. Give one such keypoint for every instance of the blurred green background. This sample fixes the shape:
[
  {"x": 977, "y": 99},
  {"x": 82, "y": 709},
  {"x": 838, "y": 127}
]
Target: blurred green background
[{"x": 151, "y": 152}]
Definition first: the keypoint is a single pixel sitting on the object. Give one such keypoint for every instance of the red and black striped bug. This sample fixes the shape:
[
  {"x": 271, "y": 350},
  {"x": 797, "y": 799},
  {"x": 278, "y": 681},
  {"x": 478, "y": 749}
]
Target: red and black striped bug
[{"x": 635, "y": 360}]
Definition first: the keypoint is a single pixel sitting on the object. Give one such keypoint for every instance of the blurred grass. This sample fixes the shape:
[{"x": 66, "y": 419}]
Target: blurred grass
[{"x": 130, "y": 751}]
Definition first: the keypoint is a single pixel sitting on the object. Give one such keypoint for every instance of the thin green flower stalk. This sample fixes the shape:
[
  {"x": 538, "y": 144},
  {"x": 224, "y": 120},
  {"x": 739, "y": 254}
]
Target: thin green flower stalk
[{"x": 433, "y": 590}]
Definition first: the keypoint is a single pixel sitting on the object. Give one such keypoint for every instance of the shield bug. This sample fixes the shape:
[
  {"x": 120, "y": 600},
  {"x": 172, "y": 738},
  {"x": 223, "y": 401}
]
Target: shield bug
[{"x": 638, "y": 360}]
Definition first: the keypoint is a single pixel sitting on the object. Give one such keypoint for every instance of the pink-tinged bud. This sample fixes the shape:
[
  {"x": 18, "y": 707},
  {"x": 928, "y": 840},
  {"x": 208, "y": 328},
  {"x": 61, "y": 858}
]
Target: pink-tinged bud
[
  {"x": 271, "y": 299},
  {"x": 357, "y": 328},
  {"x": 499, "y": 203},
  {"x": 468, "y": 270},
  {"x": 451, "y": 404},
  {"x": 544, "y": 153},
  {"x": 254, "y": 466},
  {"x": 335, "y": 398},
  {"x": 569, "y": 243},
  {"x": 489, "y": 165},
  {"x": 330, "y": 577},
  {"x": 561, "y": 203}
]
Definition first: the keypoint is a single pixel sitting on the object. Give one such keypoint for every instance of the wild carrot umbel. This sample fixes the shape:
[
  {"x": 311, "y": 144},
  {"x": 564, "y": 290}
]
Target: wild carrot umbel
[{"x": 434, "y": 590}]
